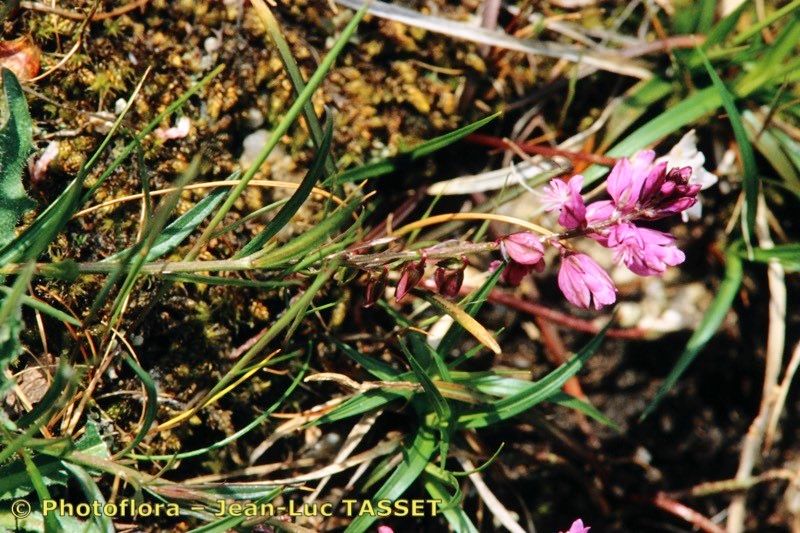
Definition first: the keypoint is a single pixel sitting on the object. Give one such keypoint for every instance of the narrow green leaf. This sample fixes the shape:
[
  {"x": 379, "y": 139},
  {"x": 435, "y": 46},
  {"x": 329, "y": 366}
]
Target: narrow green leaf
[
  {"x": 50, "y": 519},
  {"x": 174, "y": 234},
  {"x": 750, "y": 178},
  {"x": 301, "y": 244},
  {"x": 11, "y": 321},
  {"x": 387, "y": 166},
  {"x": 300, "y": 195},
  {"x": 92, "y": 493},
  {"x": 43, "y": 307},
  {"x": 151, "y": 407},
  {"x": 455, "y": 515},
  {"x": 535, "y": 393},
  {"x": 415, "y": 457},
  {"x": 708, "y": 326},
  {"x": 565, "y": 400},
  {"x": 788, "y": 255},
  {"x": 435, "y": 400},
  {"x": 282, "y": 127}
]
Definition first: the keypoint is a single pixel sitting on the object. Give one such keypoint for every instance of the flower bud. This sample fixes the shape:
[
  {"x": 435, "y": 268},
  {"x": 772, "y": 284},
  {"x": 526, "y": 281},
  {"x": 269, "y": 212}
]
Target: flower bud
[
  {"x": 409, "y": 278},
  {"x": 375, "y": 287},
  {"x": 448, "y": 281}
]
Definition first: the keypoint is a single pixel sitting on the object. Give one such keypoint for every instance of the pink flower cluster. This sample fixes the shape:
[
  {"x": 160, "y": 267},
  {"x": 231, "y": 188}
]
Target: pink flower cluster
[{"x": 641, "y": 189}]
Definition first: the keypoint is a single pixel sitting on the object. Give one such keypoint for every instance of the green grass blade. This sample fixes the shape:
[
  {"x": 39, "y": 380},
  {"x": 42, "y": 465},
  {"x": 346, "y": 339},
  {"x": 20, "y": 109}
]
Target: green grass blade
[
  {"x": 363, "y": 403},
  {"x": 750, "y": 182},
  {"x": 435, "y": 400},
  {"x": 51, "y": 524},
  {"x": 300, "y": 195},
  {"x": 766, "y": 21},
  {"x": 415, "y": 457},
  {"x": 300, "y": 245},
  {"x": 285, "y": 53},
  {"x": 282, "y": 128},
  {"x": 535, "y": 393},
  {"x": 387, "y": 166},
  {"x": 11, "y": 320},
  {"x": 455, "y": 515},
  {"x": 565, "y": 400},
  {"x": 708, "y": 326},
  {"x": 43, "y": 307},
  {"x": 151, "y": 407},
  {"x": 788, "y": 255},
  {"x": 92, "y": 493}
]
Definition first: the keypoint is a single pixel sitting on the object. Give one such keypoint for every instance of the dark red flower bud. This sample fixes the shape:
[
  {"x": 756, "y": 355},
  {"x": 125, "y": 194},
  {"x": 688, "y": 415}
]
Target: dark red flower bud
[
  {"x": 410, "y": 278},
  {"x": 375, "y": 287},
  {"x": 515, "y": 272},
  {"x": 448, "y": 281}
]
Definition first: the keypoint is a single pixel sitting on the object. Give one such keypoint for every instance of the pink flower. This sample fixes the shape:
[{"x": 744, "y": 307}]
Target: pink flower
[
  {"x": 584, "y": 282},
  {"x": 627, "y": 178},
  {"x": 599, "y": 212},
  {"x": 387, "y": 529},
  {"x": 577, "y": 527},
  {"x": 524, "y": 248},
  {"x": 566, "y": 197},
  {"x": 644, "y": 251}
]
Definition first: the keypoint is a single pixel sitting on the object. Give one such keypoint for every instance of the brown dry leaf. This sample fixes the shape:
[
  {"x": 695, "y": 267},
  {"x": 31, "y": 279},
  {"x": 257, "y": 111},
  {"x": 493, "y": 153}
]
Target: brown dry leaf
[{"x": 20, "y": 56}]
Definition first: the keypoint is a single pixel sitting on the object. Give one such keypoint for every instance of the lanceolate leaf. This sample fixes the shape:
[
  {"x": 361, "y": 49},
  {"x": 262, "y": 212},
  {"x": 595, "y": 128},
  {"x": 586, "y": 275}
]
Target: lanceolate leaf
[
  {"x": 15, "y": 145},
  {"x": 176, "y": 232}
]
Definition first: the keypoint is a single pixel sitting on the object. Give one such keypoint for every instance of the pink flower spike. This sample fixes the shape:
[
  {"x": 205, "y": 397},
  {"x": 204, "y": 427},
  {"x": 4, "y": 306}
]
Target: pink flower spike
[
  {"x": 646, "y": 252},
  {"x": 577, "y": 527},
  {"x": 523, "y": 247},
  {"x": 584, "y": 282},
  {"x": 566, "y": 197}
]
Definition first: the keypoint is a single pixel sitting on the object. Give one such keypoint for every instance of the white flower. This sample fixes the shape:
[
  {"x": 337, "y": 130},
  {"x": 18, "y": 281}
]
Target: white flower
[{"x": 686, "y": 154}]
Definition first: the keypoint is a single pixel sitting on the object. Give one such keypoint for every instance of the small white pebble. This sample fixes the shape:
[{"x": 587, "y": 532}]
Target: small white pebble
[
  {"x": 252, "y": 145},
  {"x": 119, "y": 105},
  {"x": 211, "y": 45},
  {"x": 255, "y": 118}
]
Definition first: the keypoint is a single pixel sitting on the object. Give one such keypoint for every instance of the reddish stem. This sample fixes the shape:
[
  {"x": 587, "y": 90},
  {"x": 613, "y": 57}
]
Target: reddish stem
[
  {"x": 664, "y": 502},
  {"x": 538, "y": 149},
  {"x": 500, "y": 297}
]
